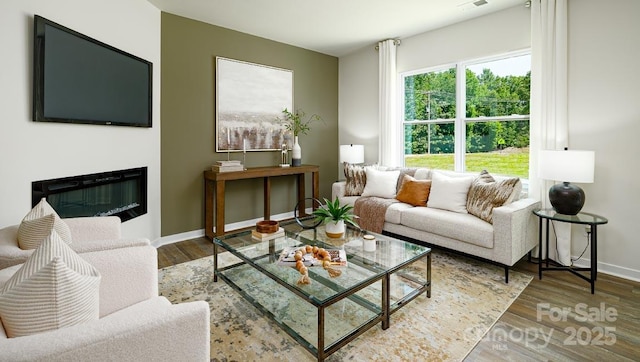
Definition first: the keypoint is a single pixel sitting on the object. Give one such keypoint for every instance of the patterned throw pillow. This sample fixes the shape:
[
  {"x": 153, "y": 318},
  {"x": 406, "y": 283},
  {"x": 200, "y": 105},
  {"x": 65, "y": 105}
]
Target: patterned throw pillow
[
  {"x": 486, "y": 193},
  {"x": 356, "y": 179},
  {"x": 37, "y": 225},
  {"x": 54, "y": 288},
  {"x": 414, "y": 192}
]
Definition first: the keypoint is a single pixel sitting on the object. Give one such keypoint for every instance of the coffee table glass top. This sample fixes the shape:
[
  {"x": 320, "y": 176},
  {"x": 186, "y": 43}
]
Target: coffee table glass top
[{"x": 363, "y": 266}]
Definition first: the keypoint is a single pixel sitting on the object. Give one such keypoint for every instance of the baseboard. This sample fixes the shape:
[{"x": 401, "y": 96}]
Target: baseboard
[
  {"x": 170, "y": 239},
  {"x": 610, "y": 269},
  {"x": 605, "y": 268}
]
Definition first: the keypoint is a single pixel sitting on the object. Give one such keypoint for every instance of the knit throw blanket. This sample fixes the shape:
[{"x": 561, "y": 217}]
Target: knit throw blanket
[{"x": 371, "y": 211}]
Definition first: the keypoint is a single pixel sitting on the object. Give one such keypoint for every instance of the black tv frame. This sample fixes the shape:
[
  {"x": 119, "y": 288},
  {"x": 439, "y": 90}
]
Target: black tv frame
[{"x": 38, "y": 77}]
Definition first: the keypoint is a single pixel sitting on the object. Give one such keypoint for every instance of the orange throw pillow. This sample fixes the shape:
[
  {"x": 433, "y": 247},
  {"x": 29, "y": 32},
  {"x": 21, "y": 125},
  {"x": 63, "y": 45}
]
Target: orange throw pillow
[{"x": 414, "y": 192}]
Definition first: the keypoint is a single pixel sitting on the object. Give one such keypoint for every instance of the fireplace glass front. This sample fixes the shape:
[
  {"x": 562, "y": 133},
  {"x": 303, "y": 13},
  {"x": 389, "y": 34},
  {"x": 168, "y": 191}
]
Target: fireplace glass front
[{"x": 121, "y": 193}]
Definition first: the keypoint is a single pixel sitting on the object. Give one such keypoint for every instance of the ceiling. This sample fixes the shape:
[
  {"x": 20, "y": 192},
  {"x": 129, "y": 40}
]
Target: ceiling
[{"x": 333, "y": 27}]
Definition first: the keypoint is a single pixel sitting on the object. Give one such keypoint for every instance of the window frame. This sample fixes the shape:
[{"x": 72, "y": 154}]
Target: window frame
[{"x": 461, "y": 120}]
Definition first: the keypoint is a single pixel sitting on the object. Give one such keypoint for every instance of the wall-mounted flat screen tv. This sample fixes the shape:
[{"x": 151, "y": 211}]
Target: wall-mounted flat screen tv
[{"x": 77, "y": 79}]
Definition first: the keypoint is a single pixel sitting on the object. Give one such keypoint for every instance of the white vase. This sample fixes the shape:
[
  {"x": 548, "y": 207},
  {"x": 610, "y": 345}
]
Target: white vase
[
  {"x": 334, "y": 229},
  {"x": 296, "y": 153}
]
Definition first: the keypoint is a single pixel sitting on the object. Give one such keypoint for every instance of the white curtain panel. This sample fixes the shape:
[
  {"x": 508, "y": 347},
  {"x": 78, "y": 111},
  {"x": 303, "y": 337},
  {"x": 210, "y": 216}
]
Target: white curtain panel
[
  {"x": 549, "y": 111},
  {"x": 389, "y": 146}
]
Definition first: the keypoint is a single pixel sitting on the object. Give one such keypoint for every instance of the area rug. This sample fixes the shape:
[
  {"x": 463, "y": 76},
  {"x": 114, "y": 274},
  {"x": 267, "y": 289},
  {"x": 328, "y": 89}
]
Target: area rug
[{"x": 467, "y": 298}]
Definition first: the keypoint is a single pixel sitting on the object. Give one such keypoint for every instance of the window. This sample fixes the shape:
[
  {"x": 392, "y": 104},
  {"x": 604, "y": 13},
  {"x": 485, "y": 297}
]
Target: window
[{"x": 469, "y": 116}]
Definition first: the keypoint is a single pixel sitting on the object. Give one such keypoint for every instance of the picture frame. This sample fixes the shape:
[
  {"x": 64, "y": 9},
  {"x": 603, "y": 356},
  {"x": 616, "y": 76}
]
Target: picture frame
[{"x": 249, "y": 102}]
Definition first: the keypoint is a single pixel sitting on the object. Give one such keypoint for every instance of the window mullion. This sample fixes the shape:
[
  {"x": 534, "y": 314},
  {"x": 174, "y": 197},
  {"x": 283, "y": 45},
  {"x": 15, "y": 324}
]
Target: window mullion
[{"x": 460, "y": 128}]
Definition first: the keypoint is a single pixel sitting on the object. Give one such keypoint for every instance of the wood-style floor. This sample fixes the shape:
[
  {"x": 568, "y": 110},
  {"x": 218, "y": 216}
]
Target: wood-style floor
[{"x": 554, "y": 319}]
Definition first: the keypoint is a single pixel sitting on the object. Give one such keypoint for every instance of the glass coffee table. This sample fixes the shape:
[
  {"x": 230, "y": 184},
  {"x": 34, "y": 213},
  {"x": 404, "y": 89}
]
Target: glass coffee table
[{"x": 328, "y": 313}]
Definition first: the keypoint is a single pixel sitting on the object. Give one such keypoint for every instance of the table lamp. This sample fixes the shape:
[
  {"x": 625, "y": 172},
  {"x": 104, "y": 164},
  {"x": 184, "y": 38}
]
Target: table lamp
[
  {"x": 566, "y": 166},
  {"x": 351, "y": 153}
]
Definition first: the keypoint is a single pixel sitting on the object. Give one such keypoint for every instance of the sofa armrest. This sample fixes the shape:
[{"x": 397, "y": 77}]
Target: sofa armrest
[
  {"x": 515, "y": 231},
  {"x": 129, "y": 276},
  {"x": 153, "y": 330},
  {"x": 338, "y": 189},
  {"x": 94, "y": 228}
]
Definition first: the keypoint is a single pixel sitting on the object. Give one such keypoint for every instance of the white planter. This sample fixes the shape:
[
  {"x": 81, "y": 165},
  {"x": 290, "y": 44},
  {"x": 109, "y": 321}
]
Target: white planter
[{"x": 334, "y": 229}]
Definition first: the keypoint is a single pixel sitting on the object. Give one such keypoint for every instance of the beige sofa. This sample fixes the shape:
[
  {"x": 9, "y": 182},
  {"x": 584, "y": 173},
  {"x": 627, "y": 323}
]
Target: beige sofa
[
  {"x": 135, "y": 323},
  {"x": 511, "y": 236}
]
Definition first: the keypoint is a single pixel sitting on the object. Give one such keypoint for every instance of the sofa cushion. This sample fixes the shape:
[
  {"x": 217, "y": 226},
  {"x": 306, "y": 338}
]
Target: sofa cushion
[
  {"x": 381, "y": 183},
  {"x": 394, "y": 212},
  {"x": 414, "y": 192},
  {"x": 464, "y": 227},
  {"x": 449, "y": 193},
  {"x": 486, "y": 193},
  {"x": 37, "y": 225},
  {"x": 54, "y": 288},
  {"x": 422, "y": 174}
]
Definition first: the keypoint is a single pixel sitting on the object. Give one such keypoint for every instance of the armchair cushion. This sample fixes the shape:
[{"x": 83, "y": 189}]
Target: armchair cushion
[
  {"x": 37, "y": 225},
  {"x": 54, "y": 288}
]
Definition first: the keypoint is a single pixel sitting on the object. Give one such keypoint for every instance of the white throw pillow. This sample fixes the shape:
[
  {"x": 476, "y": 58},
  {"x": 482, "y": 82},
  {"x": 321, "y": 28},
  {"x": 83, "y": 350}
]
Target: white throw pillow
[
  {"x": 37, "y": 225},
  {"x": 54, "y": 288},
  {"x": 449, "y": 193},
  {"x": 381, "y": 183}
]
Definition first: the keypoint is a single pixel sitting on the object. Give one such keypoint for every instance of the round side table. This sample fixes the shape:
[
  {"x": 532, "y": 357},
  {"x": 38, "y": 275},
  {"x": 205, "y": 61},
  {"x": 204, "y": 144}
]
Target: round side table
[{"x": 583, "y": 218}]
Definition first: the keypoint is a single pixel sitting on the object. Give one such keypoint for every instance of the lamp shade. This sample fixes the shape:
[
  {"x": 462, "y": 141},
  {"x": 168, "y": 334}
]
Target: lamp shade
[
  {"x": 351, "y": 153},
  {"x": 566, "y": 166}
]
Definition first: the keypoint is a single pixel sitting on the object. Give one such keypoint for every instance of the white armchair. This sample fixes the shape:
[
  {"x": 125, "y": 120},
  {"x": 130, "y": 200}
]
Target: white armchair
[
  {"x": 87, "y": 234},
  {"x": 135, "y": 323}
]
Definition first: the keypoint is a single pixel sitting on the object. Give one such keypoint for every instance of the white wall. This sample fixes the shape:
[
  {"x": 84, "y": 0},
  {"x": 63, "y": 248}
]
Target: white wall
[
  {"x": 603, "y": 113},
  {"x": 604, "y": 116},
  {"x": 32, "y": 151}
]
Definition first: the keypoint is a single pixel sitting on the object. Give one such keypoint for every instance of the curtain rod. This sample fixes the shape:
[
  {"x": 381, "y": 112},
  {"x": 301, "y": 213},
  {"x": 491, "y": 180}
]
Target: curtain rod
[{"x": 396, "y": 42}]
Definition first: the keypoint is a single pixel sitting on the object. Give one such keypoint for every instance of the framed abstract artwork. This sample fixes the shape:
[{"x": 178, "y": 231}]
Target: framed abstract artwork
[{"x": 249, "y": 102}]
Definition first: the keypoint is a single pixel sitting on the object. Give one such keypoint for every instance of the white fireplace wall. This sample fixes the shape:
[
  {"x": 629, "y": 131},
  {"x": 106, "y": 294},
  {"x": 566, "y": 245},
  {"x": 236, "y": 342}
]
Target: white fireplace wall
[{"x": 31, "y": 151}]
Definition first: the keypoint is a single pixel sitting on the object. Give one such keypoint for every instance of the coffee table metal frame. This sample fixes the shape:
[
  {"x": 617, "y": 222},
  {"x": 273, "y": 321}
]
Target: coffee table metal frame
[{"x": 383, "y": 314}]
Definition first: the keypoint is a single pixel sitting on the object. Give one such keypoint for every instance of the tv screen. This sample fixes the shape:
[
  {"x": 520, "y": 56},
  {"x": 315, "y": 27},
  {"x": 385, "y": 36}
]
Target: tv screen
[{"x": 77, "y": 79}]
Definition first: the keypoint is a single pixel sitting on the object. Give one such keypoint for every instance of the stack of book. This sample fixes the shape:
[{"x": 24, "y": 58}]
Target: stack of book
[
  {"x": 267, "y": 236},
  {"x": 227, "y": 166}
]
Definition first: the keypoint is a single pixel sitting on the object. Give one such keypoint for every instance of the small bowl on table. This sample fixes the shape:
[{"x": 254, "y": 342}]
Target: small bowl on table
[{"x": 267, "y": 226}]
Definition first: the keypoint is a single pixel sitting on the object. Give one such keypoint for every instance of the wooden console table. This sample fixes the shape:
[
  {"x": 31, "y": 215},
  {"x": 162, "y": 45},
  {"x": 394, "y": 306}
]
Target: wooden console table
[{"x": 214, "y": 186}]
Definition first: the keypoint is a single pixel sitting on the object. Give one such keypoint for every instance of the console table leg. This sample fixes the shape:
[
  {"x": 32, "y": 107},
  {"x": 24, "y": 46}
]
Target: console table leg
[
  {"x": 267, "y": 198},
  {"x": 301, "y": 194},
  {"x": 208, "y": 209},
  {"x": 220, "y": 186}
]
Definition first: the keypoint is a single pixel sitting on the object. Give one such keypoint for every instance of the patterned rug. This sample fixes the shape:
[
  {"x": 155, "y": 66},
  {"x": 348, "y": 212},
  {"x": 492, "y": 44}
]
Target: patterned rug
[{"x": 467, "y": 298}]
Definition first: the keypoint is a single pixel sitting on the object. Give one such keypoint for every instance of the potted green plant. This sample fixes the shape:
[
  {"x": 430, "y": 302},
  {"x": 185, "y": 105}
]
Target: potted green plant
[
  {"x": 297, "y": 124},
  {"x": 335, "y": 216}
]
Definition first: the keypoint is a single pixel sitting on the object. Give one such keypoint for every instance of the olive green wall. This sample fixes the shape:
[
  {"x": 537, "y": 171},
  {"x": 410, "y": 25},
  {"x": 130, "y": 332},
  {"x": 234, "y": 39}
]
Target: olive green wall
[{"x": 188, "y": 54}]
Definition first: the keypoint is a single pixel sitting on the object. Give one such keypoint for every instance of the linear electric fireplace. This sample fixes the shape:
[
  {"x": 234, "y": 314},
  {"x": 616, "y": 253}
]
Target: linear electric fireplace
[{"x": 119, "y": 193}]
